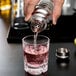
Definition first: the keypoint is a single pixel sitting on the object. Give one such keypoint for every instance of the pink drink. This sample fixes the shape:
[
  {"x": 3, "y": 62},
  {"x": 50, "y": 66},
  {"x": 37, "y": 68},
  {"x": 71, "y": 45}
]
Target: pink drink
[
  {"x": 36, "y": 59},
  {"x": 36, "y": 48}
]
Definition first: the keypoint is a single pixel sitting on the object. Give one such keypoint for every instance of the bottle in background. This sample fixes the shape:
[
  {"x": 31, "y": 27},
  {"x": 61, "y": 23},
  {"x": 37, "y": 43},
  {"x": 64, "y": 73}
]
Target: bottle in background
[{"x": 5, "y": 4}]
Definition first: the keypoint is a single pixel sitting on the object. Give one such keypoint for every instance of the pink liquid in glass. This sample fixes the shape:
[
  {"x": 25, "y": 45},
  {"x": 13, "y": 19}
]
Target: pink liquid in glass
[{"x": 36, "y": 59}]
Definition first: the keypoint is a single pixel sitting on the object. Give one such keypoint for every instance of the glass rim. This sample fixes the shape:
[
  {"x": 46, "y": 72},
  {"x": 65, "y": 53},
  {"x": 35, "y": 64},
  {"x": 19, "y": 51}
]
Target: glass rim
[{"x": 48, "y": 39}]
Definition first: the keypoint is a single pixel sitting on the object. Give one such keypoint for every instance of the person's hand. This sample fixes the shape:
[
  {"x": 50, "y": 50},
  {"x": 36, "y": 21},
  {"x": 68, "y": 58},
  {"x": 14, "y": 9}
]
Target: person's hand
[{"x": 29, "y": 6}]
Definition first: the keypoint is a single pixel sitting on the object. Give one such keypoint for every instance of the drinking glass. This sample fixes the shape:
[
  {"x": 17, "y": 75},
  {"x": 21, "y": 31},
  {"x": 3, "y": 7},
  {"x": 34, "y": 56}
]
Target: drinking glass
[{"x": 36, "y": 54}]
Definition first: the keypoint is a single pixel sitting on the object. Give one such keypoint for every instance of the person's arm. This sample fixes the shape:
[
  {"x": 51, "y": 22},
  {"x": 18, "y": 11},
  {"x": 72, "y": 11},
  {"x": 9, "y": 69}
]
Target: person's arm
[{"x": 29, "y": 6}]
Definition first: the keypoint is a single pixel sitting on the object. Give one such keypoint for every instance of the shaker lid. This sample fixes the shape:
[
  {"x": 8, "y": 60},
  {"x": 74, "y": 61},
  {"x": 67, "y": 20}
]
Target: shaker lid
[{"x": 62, "y": 53}]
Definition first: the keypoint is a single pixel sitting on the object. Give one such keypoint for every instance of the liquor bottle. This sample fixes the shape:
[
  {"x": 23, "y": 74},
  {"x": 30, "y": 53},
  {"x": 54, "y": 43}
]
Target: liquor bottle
[
  {"x": 5, "y": 10},
  {"x": 5, "y": 4}
]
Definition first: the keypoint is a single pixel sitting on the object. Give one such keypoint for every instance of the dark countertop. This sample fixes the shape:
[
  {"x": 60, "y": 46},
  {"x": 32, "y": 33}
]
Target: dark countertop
[{"x": 11, "y": 57}]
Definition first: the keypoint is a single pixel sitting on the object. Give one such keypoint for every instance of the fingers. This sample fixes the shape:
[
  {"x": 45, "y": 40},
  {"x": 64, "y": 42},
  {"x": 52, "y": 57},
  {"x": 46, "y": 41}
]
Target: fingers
[
  {"x": 25, "y": 4},
  {"x": 56, "y": 14},
  {"x": 29, "y": 8},
  {"x": 57, "y": 10}
]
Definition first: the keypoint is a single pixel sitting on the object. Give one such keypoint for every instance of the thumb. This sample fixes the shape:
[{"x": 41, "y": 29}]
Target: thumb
[
  {"x": 30, "y": 8},
  {"x": 57, "y": 10}
]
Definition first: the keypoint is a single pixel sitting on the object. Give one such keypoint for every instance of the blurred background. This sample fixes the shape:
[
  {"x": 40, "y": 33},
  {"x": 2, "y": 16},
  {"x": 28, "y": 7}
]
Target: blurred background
[{"x": 11, "y": 9}]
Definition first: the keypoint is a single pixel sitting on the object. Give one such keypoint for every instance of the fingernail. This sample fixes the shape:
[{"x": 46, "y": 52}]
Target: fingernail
[
  {"x": 54, "y": 21},
  {"x": 27, "y": 17}
]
